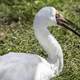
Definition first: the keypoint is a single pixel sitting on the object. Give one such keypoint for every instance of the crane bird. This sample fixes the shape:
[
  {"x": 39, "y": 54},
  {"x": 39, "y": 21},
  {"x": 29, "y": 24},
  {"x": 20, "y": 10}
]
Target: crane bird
[{"x": 14, "y": 66}]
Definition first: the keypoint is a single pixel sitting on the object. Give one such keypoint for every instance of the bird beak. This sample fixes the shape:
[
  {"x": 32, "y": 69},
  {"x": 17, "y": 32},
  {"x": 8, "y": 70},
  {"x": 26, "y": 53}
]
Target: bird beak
[{"x": 66, "y": 23}]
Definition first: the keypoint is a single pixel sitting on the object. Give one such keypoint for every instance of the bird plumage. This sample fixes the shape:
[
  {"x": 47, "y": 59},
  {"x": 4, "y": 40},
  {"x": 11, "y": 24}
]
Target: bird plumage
[
  {"x": 24, "y": 66},
  {"x": 14, "y": 66}
]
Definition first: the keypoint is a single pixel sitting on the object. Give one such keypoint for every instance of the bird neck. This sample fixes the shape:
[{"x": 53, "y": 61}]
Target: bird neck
[
  {"x": 51, "y": 46},
  {"x": 48, "y": 42}
]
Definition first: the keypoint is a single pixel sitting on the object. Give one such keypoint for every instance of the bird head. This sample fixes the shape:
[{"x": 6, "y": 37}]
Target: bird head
[{"x": 49, "y": 16}]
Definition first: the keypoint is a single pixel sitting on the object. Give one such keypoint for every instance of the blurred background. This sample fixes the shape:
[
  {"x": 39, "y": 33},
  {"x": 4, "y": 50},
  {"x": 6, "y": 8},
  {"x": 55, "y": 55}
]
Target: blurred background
[{"x": 17, "y": 34}]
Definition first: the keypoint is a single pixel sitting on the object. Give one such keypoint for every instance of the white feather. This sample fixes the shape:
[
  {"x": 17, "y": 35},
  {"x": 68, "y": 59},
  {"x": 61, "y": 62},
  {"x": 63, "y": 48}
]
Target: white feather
[{"x": 23, "y": 66}]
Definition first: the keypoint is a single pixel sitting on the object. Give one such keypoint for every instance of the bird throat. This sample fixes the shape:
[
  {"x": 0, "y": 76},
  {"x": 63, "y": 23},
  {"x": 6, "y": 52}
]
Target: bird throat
[{"x": 48, "y": 42}]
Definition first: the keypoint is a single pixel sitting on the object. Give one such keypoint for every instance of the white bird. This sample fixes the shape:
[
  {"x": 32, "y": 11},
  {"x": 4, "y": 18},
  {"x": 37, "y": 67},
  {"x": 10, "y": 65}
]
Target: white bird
[{"x": 14, "y": 66}]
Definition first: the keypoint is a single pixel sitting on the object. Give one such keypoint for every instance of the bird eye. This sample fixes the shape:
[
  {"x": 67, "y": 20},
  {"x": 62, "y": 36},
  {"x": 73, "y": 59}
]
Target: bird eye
[{"x": 57, "y": 16}]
